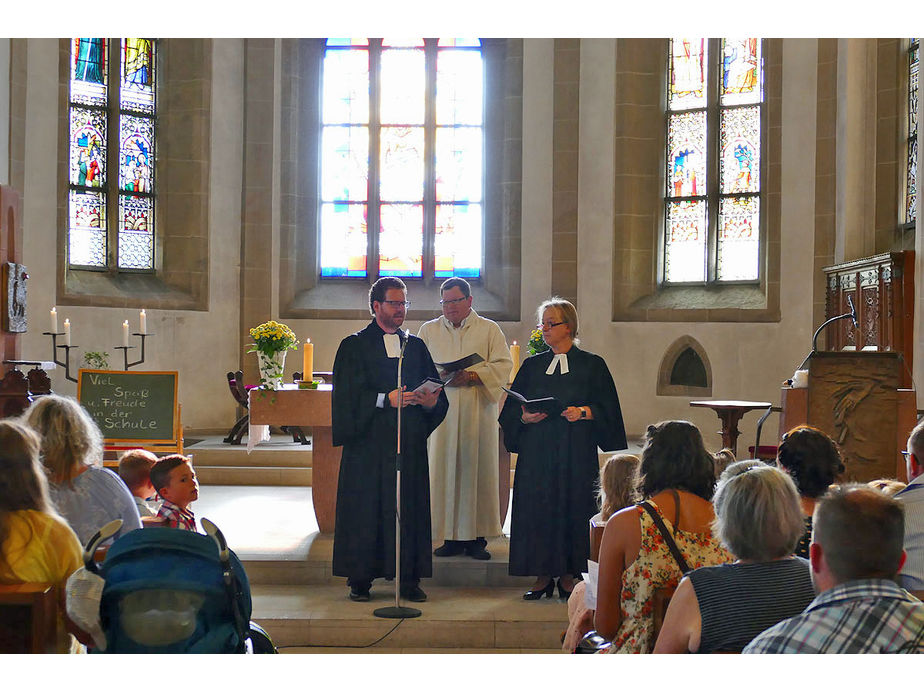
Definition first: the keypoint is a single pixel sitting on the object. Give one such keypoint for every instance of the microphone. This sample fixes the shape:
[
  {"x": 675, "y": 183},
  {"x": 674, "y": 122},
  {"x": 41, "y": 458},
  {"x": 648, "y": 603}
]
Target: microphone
[
  {"x": 402, "y": 337},
  {"x": 853, "y": 312}
]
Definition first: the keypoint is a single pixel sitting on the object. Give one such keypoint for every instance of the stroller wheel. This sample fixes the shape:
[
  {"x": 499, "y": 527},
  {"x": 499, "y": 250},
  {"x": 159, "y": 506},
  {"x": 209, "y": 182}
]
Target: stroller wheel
[{"x": 258, "y": 642}]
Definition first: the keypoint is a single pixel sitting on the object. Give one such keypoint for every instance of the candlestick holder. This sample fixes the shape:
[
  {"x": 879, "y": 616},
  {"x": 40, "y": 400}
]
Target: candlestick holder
[
  {"x": 67, "y": 354},
  {"x": 126, "y": 347}
]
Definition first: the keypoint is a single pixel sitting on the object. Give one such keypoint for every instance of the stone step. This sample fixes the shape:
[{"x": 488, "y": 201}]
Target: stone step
[
  {"x": 322, "y": 616},
  {"x": 316, "y": 568},
  {"x": 252, "y": 476}
]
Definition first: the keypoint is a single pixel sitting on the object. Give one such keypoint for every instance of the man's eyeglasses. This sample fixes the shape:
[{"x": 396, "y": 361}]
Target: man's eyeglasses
[
  {"x": 452, "y": 301},
  {"x": 395, "y": 304},
  {"x": 906, "y": 454},
  {"x": 549, "y": 325}
]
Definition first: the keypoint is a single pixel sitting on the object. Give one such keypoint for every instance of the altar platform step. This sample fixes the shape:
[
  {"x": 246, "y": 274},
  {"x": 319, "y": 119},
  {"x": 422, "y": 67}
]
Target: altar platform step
[
  {"x": 278, "y": 462},
  {"x": 322, "y": 618}
]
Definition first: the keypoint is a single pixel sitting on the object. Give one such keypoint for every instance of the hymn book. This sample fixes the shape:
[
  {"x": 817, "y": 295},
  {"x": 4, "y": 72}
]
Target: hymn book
[
  {"x": 452, "y": 367},
  {"x": 545, "y": 405}
]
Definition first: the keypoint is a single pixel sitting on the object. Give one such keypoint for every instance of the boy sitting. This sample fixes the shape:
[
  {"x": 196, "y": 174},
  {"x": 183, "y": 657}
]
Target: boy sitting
[
  {"x": 135, "y": 471},
  {"x": 175, "y": 481}
]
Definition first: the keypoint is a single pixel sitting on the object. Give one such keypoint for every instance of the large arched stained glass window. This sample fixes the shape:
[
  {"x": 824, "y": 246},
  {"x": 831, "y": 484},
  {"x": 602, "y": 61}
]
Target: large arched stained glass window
[
  {"x": 111, "y": 154},
  {"x": 402, "y": 158},
  {"x": 713, "y": 188},
  {"x": 911, "y": 187}
]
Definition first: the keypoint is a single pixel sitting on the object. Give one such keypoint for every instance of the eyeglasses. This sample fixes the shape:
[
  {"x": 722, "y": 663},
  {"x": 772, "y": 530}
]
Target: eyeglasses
[
  {"x": 451, "y": 301},
  {"x": 549, "y": 325},
  {"x": 905, "y": 454},
  {"x": 395, "y": 304}
]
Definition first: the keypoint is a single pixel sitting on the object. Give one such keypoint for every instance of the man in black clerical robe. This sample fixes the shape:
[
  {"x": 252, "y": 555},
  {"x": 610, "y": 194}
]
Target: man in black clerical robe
[{"x": 364, "y": 400}]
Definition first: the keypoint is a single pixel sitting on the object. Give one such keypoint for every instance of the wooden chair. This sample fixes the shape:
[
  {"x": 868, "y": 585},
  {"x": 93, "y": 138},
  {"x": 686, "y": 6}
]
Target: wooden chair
[
  {"x": 29, "y": 618},
  {"x": 239, "y": 393}
]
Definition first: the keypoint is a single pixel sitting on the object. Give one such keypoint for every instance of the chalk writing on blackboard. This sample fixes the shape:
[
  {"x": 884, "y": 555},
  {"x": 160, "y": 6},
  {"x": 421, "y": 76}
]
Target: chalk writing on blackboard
[{"x": 131, "y": 405}]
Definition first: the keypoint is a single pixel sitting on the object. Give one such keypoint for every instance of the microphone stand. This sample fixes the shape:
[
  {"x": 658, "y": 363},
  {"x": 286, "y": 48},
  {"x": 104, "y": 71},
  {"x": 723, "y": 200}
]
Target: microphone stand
[
  {"x": 852, "y": 315},
  {"x": 398, "y": 611}
]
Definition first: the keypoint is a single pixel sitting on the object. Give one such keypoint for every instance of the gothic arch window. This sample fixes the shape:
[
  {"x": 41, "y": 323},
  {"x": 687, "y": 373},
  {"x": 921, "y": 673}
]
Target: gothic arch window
[
  {"x": 914, "y": 53},
  {"x": 685, "y": 370},
  {"x": 402, "y": 158},
  {"x": 713, "y": 180},
  {"x": 111, "y": 154}
]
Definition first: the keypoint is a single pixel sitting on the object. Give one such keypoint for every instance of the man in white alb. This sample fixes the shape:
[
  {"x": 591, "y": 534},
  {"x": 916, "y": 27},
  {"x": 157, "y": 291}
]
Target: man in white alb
[{"x": 463, "y": 449}]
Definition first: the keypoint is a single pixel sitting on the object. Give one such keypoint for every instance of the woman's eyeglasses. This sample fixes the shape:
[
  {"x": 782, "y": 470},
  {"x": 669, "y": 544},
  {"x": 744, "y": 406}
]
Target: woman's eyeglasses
[{"x": 549, "y": 325}]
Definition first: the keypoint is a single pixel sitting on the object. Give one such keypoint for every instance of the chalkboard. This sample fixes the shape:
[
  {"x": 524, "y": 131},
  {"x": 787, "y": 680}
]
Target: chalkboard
[{"x": 131, "y": 405}]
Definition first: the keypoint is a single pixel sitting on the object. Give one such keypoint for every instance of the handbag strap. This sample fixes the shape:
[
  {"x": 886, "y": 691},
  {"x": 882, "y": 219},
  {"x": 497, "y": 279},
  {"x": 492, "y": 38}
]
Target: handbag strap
[{"x": 668, "y": 539}]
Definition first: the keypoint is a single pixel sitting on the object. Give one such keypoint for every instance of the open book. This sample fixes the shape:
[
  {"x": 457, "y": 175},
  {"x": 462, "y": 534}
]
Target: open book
[
  {"x": 546, "y": 405},
  {"x": 429, "y": 385},
  {"x": 450, "y": 368}
]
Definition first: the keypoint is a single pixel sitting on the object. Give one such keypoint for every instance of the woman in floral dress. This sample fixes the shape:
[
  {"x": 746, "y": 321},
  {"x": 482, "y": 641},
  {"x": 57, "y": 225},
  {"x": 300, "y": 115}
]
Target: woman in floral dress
[{"x": 677, "y": 480}]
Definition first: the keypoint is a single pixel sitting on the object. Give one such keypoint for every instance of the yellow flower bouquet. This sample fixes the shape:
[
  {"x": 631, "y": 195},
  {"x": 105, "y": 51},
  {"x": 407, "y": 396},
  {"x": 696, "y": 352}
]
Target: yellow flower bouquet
[
  {"x": 271, "y": 341},
  {"x": 536, "y": 343},
  {"x": 272, "y": 337}
]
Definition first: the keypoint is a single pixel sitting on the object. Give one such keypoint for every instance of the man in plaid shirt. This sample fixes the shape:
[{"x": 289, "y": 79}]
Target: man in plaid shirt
[{"x": 856, "y": 554}]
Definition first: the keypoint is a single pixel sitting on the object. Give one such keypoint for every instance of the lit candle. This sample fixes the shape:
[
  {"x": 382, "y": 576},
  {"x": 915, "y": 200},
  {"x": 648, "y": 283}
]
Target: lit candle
[
  {"x": 144, "y": 323},
  {"x": 515, "y": 355},
  {"x": 125, "y": 333},
  {"x": 308, "y": 360},
  {"x": 54, "y": 320},
  {"x": 67, "y": 332}
]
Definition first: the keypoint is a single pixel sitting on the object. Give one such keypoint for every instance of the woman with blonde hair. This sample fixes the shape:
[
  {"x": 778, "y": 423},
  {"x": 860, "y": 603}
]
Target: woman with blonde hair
[
  {"x": 36, "y": 544},
  {"x": 557, "y": 463},
  {"x": 86, "y": 494}
]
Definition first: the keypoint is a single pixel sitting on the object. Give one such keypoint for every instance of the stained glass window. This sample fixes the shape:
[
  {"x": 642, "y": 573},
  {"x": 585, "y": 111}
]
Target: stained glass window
[
  {"x": 911, "y": 182},
  {"x": 112, "y": 155},
  {"x": 402, "y": 158},
  {"x": 712, "y": 177}
]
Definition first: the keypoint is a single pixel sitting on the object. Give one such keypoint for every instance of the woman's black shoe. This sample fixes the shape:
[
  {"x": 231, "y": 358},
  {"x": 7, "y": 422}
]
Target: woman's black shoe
[
  {"x": 562, "y": 592},
  {"x": 537, "y": 594}
]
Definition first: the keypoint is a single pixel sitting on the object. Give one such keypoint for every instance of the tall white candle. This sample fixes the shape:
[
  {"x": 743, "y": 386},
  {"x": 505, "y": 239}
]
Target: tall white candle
[
  {"x": 125, "y": 333},
  {"x": 54, "y": 320},
  {"x": 515, "y": 355},
  {"x": 67, "y": 332},
  {"x": 144, "y": 323}
]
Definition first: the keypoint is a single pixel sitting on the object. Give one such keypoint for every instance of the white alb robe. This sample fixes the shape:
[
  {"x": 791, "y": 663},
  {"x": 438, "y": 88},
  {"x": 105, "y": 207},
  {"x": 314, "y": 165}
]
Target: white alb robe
[{"x": 463, "y": 450}]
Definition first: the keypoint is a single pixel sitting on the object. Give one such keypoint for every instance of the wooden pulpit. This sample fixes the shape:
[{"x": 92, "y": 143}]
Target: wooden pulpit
[{"x": 854, "y": 397}]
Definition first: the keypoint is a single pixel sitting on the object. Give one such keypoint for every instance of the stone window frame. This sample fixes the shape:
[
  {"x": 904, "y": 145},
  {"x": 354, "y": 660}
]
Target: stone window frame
[
  {"x": 180, "y": 278},
  {"x": 638, "y": 294},
  {"x": 303, "y": 294},
  {"x": 668, "y": 389}
]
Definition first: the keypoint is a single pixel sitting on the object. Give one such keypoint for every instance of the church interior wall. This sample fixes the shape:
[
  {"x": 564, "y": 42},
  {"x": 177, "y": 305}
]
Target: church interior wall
[{"x": 246, "y": 213}]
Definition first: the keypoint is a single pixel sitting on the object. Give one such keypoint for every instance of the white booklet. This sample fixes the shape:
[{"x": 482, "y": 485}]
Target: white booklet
[{"x": 590, "y": 582}]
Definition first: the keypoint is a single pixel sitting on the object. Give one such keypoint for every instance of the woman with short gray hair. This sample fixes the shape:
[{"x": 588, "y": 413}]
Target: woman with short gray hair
[{"x": 722, "y": 608}]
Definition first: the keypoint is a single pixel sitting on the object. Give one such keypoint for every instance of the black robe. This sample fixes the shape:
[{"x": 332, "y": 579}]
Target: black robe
[
  {"x": 364, "y": 535},
  {"x": 557, "y": 465}
]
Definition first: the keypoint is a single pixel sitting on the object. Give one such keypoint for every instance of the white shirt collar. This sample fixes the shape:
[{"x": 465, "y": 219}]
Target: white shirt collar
[
  {"x": 560, "y": 360},
  {"x": 464, "y": 322},
  {"x": 392, "y": 345}
]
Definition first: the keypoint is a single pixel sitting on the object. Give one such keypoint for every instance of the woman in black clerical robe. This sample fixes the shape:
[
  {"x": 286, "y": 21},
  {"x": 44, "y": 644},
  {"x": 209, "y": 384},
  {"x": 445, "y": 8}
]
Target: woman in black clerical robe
[{"x": 557, "y": 463}]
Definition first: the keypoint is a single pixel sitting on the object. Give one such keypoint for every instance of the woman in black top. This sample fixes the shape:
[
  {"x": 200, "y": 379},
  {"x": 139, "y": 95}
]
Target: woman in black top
[{"x": 557, "y": 463}]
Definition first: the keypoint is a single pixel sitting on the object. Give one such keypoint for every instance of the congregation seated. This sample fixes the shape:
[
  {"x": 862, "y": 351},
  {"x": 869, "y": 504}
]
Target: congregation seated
[
  {"x": 855, "y": 555},
  {"x": 677, "y": 481},
  {"x": 36, "y": 544},
  {"x": 911, "y": 497},
  {"x": 135, "y": 472},
  {"x": 888, "y": 486},
  {"x": 813, "y": 461},
  {"x": 722, "y": 608},
  {"x": 617, "y": 490},
  {"x": 722, "y": 459},
  {"x": 86, "y": 494}
]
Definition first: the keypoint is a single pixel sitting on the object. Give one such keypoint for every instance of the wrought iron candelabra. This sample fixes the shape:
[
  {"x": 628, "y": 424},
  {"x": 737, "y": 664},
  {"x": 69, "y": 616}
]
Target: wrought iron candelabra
[{"x": 66, "y": 364}]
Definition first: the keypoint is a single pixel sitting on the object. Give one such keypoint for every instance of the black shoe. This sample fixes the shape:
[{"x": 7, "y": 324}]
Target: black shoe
[
  {"x": 359, "y": 595},
  {"x": 561, "y": 590},
  {"x": 450, "y": 548},
  {"x": 537, "y": 594},
  {"x": 413, "y": 594},
  {"x": 476, "y": 549}
]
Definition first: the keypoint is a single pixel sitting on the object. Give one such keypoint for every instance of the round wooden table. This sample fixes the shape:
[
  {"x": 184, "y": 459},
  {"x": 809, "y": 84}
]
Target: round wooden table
[{"x": 730, "y": 412}]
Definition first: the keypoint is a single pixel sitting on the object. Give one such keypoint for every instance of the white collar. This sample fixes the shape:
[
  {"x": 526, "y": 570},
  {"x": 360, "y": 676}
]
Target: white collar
[
  {"x": 462, "y": 324},
  {"x": 560, "y": 360},
  {"x": 392, "y": 345}
]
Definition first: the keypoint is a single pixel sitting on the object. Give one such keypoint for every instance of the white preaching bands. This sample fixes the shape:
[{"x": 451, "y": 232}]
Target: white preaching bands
[{"x": 560, "y": 360}]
